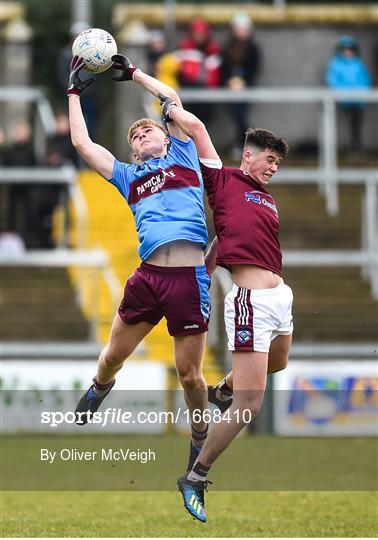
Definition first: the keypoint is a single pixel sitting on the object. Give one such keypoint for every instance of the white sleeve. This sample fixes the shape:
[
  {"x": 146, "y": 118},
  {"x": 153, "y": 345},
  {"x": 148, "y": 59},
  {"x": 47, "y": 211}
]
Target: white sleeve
[{"x": 211, "y": 163}]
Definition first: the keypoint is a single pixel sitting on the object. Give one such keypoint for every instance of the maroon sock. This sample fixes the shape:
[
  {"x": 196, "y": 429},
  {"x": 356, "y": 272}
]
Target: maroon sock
[
  {"x": 101, "y": 388},
  {"x": 199, "y": 436},
  {"x": 198, "y": 473},
  {"x": 224, "y": 388}
]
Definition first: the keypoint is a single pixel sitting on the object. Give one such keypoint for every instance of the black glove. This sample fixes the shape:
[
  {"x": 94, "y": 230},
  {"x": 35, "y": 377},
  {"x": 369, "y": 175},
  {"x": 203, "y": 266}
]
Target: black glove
[
  {"x": 75, "y": 84},
  {"x": 166, "y": 104},
  {"x": 124, "y": 64}
]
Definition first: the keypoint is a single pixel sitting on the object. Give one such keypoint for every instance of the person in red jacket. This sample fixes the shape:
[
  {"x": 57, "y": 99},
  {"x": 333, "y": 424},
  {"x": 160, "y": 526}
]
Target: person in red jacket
[{"x": 200, "y": 62}]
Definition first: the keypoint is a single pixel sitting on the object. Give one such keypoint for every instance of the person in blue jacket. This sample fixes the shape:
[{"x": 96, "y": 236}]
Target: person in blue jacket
[{"x": 346, "y": 71}]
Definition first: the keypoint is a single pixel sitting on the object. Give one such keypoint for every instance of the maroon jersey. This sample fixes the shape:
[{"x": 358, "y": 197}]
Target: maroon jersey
[{"x": 245, "y": 218}]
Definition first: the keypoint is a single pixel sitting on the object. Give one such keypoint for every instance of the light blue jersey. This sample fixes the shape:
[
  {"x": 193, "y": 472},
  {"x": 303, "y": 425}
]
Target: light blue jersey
[{"x": 165, "y": 196}]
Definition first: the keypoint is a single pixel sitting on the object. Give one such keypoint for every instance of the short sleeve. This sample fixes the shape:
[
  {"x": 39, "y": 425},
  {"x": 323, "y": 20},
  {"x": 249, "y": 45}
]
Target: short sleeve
[
  {"x": 214, "y": 178},
  {"x": 183, "y": 153},
  {"x": 122, "y": 174}
]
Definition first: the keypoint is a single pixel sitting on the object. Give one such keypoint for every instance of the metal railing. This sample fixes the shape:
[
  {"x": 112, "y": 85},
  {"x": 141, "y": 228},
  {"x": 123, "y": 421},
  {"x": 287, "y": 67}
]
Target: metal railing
[
  {"x": 327, "y": 170},
  {"x": 65, "y": 176}
]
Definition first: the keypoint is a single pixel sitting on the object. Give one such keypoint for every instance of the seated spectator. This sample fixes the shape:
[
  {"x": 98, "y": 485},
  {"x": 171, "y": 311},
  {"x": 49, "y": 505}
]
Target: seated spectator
[
  {"x": 240, "y": 69},
  {"x": 346, "y": 71},
  {"x": 199, "y": 67}
]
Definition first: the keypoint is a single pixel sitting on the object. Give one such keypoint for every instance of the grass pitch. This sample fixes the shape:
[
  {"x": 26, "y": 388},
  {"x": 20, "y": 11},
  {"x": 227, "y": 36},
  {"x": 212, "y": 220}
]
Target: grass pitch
[
  {"x": 299, "y": 470},
  {"x": 161, "y": 514}
]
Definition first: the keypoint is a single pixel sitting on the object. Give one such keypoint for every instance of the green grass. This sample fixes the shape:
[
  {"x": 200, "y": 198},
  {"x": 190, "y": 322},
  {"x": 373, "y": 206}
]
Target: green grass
[
  {"x": 161, "y": 514},
  {"x": 250, "y": 464},
  {"x": 303, "y": 487}
]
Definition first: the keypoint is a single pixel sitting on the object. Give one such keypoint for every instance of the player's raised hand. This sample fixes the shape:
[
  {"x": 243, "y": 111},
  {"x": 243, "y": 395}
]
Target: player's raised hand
[
  {"x": 122, "y": 63},
  {"x": 75, "y": 84},
  {"x": 166, "y": 104}
]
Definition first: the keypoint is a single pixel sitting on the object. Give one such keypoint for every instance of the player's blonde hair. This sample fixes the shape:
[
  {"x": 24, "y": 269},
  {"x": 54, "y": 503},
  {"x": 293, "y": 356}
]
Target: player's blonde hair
[{"x": 141, "y": 123}]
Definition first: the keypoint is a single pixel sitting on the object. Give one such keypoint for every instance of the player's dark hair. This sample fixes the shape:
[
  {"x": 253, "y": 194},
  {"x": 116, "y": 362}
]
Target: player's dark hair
[{"x": 266, "y": 140}]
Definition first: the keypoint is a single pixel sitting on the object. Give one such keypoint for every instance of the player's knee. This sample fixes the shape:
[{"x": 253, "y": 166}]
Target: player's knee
[
  {"x": 189, "y": 379},
  {"x": 111, "y": 357},
  {"x": 249, "y": 405}
]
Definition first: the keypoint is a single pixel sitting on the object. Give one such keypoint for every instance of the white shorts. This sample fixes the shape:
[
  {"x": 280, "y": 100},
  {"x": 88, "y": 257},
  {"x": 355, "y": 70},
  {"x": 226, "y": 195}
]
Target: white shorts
[{"x": 253, "y": 318}]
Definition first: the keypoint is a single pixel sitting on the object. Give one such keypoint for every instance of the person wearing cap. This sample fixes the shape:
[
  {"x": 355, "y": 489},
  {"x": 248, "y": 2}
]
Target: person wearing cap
[
  {"x": 240, "y": 68},
  {"x": 346, "y": 71}
]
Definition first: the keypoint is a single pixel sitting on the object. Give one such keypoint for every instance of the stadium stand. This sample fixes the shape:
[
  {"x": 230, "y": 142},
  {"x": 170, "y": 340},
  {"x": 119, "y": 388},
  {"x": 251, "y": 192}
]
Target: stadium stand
[{"x": 39, "y": 304}]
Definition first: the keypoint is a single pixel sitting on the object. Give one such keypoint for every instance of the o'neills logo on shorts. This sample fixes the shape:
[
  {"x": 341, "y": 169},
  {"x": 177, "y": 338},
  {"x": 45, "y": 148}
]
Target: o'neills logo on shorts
[{"x": 189, "y": 326}]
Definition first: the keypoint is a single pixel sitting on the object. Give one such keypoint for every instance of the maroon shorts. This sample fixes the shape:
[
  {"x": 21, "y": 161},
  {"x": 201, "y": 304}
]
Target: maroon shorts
[{"x": 181, "y": 295}]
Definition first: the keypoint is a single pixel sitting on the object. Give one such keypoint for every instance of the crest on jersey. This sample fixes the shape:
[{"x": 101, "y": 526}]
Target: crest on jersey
[{"x": 243, "y": 335}]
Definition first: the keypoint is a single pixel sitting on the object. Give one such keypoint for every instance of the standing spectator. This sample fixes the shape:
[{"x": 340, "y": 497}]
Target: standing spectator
[
  {"x": 90, "y": 102},
  {"x": 241, "y": 60},
  {"x": 59, "y": 148},
  {"x": 156, "y": 48},
  {"x": 346, "y": 71},
  {"x": 19, "y": 153},
  {"x": 30, "y": 207},
  {"x": 200, "y": 62}
]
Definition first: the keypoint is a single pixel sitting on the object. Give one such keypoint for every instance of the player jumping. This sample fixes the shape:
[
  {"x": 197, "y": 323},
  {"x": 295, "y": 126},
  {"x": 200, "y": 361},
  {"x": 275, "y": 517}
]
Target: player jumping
[
  {"x": 164, "y": 190},
  {"x": 258, "y": 309}
]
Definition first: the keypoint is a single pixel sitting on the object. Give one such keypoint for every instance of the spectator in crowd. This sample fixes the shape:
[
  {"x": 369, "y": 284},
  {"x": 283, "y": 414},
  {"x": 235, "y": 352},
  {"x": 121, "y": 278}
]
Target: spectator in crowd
[
  {"x": 239, "y": 70},
  {"x": 59, "y": 147},
  {"x": 163, "y": 65},
  {"x": 30, "y": 206},
  {"x": 199, "y": 56},
  {"x": 346, "y": 71},
  {"x": 90, "y": 102},
  {"x": 156, "y": 48},
  {"x": 19, "y": 153}
]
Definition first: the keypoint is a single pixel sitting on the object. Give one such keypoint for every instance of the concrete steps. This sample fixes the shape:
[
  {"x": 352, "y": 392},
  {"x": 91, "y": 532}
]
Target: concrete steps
[
  {"x": 40, "y": 305},
  {"x": 331, "y": 304}
]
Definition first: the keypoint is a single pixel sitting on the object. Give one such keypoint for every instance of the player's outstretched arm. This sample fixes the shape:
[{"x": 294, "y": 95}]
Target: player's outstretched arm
[
  {"x": 194, "y": 128},
  {"x": 129, "y": 72},
  {"x": 97, "y": 157}
]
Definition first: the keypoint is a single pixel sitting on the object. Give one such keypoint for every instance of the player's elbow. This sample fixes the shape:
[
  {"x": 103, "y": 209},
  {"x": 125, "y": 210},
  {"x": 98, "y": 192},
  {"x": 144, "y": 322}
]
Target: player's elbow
[
  {"x": 80, "y": 145},
  {"x": 196, "y": 127}
]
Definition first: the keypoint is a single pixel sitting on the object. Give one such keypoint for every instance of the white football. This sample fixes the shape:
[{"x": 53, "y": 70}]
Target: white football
[{"x": 96, "y": 47}]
